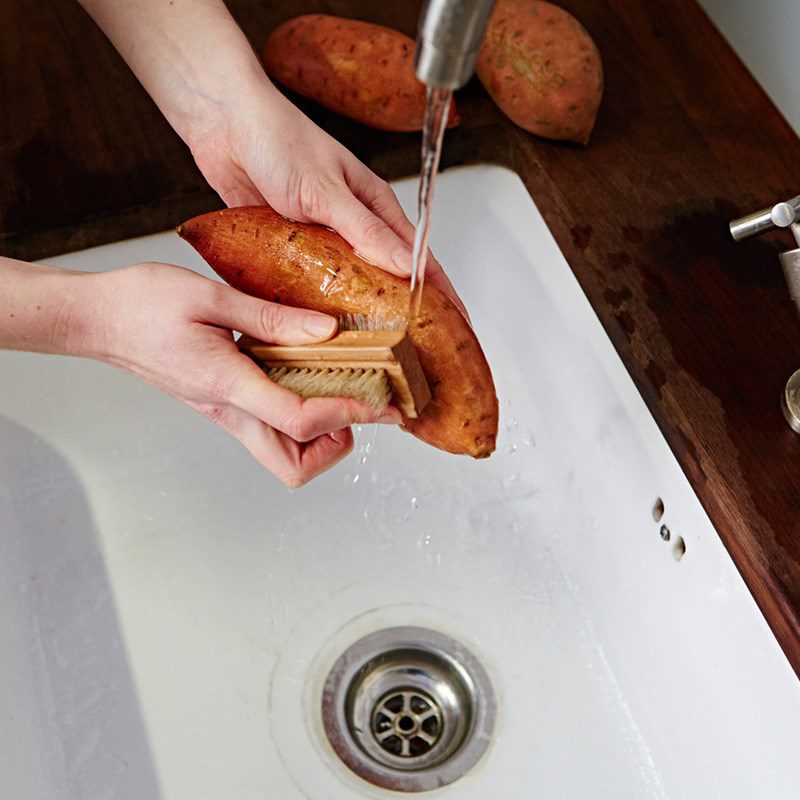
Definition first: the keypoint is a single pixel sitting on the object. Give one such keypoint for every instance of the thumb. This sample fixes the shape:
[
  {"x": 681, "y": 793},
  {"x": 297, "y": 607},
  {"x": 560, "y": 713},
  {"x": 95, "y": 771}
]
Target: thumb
[
  {"x": 369, "y": 235},
  {"x": 269, "y": 322}
]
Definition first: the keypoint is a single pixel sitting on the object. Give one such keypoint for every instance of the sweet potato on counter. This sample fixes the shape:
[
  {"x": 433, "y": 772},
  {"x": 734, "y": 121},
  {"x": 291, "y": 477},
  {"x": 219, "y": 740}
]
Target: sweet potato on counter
[
  {"x": 358, "y": 69},
  {"x": 542, "y": 69},
  {"x": 260, "y": 252}
]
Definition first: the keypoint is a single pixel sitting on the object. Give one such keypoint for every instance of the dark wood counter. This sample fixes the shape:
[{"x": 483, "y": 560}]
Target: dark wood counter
[{"x": 685, "y": 141}]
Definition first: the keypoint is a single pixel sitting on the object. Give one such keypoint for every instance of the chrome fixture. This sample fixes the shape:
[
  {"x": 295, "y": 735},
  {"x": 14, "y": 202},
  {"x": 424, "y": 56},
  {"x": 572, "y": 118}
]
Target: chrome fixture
[
  {"x": 781, "y": 215},
  {"x": 408, "y": 709},
  {"x": 448, "y": 41}
]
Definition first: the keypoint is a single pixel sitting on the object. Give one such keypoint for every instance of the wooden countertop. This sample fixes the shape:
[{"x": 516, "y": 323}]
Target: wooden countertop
[{"x": 685, "y": 141}]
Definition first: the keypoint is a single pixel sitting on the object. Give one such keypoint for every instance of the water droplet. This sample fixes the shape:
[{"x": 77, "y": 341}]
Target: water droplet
[
  {"x": 414, "y": 502},
  {"x": 425, "y": 541},
  {"x": 355, "y": 480}
]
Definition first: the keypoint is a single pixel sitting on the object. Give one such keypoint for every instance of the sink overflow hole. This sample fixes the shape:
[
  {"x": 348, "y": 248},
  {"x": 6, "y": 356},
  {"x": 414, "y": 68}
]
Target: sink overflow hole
[
  {"x": 658, "y": 510},
  {"x": 679, "y": 549}
]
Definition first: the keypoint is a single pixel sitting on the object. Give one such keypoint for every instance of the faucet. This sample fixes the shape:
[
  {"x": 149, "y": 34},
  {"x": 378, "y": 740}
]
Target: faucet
[
  {"x": 449, "y": 39},
  {"x": 781, "y": 215}
]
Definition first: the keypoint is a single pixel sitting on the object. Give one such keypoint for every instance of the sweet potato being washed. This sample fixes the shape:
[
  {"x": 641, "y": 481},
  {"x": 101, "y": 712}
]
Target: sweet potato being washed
[
  {"x": 354, "y": 68},
  {"x": 542, "y": 69},
  {"x": 260, "y": 252}
]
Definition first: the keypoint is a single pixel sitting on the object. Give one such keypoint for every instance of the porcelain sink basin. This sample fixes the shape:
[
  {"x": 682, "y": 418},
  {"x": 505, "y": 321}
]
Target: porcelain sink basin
[{"x": 168, "y": 611}]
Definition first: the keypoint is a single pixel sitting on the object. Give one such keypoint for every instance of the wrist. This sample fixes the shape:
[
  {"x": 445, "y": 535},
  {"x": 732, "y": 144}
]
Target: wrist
[
  {"x": 77, "y": 313},
  {"x": 214, "y": 119},
  {"x": 46, "y": 310}
]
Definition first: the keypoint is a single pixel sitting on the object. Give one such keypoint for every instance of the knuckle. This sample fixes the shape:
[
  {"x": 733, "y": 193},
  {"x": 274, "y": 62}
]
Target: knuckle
[
  {"x": 298, "y": 427},
  {"x": 372, "y": 227},
  {"x": 293, "y": 479},
  {"x": 217, "y": 294},
  {"x": 384, "y": 194},
  {"x": 272, "y": 319},
  {"x": 314, "y": 195}
]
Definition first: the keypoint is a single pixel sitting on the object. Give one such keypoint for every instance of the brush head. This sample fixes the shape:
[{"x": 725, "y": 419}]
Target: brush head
[
  {"x": 375, "y": 367},
  {"x": 370, "y": 386}
]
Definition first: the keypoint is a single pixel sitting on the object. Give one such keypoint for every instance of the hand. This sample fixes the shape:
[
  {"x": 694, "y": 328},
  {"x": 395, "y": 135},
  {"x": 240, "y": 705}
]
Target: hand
[
  {"x": 267, "y": 150},
  {"x": 251, "y": 143},
  {"x": 172, "y": 328}
]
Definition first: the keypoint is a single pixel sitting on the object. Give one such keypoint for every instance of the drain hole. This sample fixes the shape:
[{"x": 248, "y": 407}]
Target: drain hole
[
  {"x": 418, "y": 705},
  {"x": 394, "y": 744},
  {"x": 394, "y": 704},
  {"x": 408, "y": 709},
  {"x": 407, "y": 724},
  {"x": 431, "y": 726}
]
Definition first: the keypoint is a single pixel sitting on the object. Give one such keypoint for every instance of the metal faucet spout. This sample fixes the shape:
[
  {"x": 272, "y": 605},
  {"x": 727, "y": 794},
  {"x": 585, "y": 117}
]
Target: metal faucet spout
[{"x": 449, "y": 40}]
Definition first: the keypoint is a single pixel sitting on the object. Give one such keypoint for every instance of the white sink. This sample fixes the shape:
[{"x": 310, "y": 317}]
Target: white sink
[{"x": 168, "y": 611}]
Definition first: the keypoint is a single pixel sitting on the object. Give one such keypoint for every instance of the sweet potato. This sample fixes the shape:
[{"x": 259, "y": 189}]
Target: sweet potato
[
  {"x": 260, "y": 252},
  {"x": 542, "y": 69},
  {"x": 354, "y": 68}
]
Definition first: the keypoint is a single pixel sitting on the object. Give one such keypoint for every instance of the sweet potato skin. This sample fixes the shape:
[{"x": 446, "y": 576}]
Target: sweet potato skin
[
  {"x": 259, "y": 252},
  {"x": 358, "y": 69},
  {"x": 542, "y": 69}
]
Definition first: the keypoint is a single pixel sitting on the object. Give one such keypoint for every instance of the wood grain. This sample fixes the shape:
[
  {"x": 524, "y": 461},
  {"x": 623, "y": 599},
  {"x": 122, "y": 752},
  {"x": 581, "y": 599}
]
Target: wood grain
[{"x": 685, "y": 140}]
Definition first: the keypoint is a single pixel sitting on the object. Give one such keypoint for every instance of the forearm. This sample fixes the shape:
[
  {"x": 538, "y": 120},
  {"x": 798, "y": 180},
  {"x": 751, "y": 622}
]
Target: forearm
[
  {"x": 44, "y": 309},
  {"x": 190, "y": 55}
]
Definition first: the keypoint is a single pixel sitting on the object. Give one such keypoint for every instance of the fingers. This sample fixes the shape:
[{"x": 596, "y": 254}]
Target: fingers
[
  {"x": 234, "y": 186},
  {"x": 301, "y": 419},
  {"x": 293, "y": 463},
  {"x": 268, "y": 322},
  {"x": 371, "y": 237},
  {"x": 379, "y": 198},
  {"x": 305, "y": 461}
]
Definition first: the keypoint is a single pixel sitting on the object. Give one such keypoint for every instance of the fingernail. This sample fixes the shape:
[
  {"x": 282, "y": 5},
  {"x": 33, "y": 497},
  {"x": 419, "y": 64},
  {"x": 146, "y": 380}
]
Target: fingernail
[
  {"x": 316, "y": 324},
  {"x": 403, "y": 260},
  {"x": 390, "y": 416}
]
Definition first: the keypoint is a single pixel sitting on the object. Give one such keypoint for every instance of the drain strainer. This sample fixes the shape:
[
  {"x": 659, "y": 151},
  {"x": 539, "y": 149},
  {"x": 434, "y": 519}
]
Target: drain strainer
[
  {"x": 407, "y": 723},
  {"x": 408, "y": 709}
]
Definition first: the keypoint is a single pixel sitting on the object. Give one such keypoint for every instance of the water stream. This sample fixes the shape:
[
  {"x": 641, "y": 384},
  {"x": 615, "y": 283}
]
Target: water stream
[{"x": 435, "y": 122}]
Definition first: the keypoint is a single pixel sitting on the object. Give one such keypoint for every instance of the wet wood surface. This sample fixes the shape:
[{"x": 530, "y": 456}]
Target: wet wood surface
[{"x": 685, "y": 141}]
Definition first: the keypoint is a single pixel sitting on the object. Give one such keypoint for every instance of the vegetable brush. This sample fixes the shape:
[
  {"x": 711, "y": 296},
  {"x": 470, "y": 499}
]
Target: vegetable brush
[{"x": 374, "y": 366}]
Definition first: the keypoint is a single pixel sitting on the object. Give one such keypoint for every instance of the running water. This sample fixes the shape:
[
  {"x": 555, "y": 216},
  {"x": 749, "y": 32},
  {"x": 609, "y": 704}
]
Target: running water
[{"x": 434, "y": 124}]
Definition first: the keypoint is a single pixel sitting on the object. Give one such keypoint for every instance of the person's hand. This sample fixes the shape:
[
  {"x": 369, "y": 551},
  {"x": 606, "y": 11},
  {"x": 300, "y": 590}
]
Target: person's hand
[
  {"x": 251, "y": 143},
  {"x": 172, "y": 328},
  {"x": 267, "y": 150}
]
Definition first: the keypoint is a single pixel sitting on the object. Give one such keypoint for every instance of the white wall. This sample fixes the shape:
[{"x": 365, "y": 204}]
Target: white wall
[{"x": 766, "y": 35}]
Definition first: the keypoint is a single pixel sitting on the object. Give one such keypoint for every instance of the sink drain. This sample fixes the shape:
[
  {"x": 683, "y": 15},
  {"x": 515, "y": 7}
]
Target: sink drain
[
  {"x": 407, "y": 724},
  {"x": 408, "y": 709}
]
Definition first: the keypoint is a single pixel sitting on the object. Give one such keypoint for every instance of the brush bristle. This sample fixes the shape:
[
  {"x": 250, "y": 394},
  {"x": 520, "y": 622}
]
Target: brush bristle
[{"x": 370, "y": 386}]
